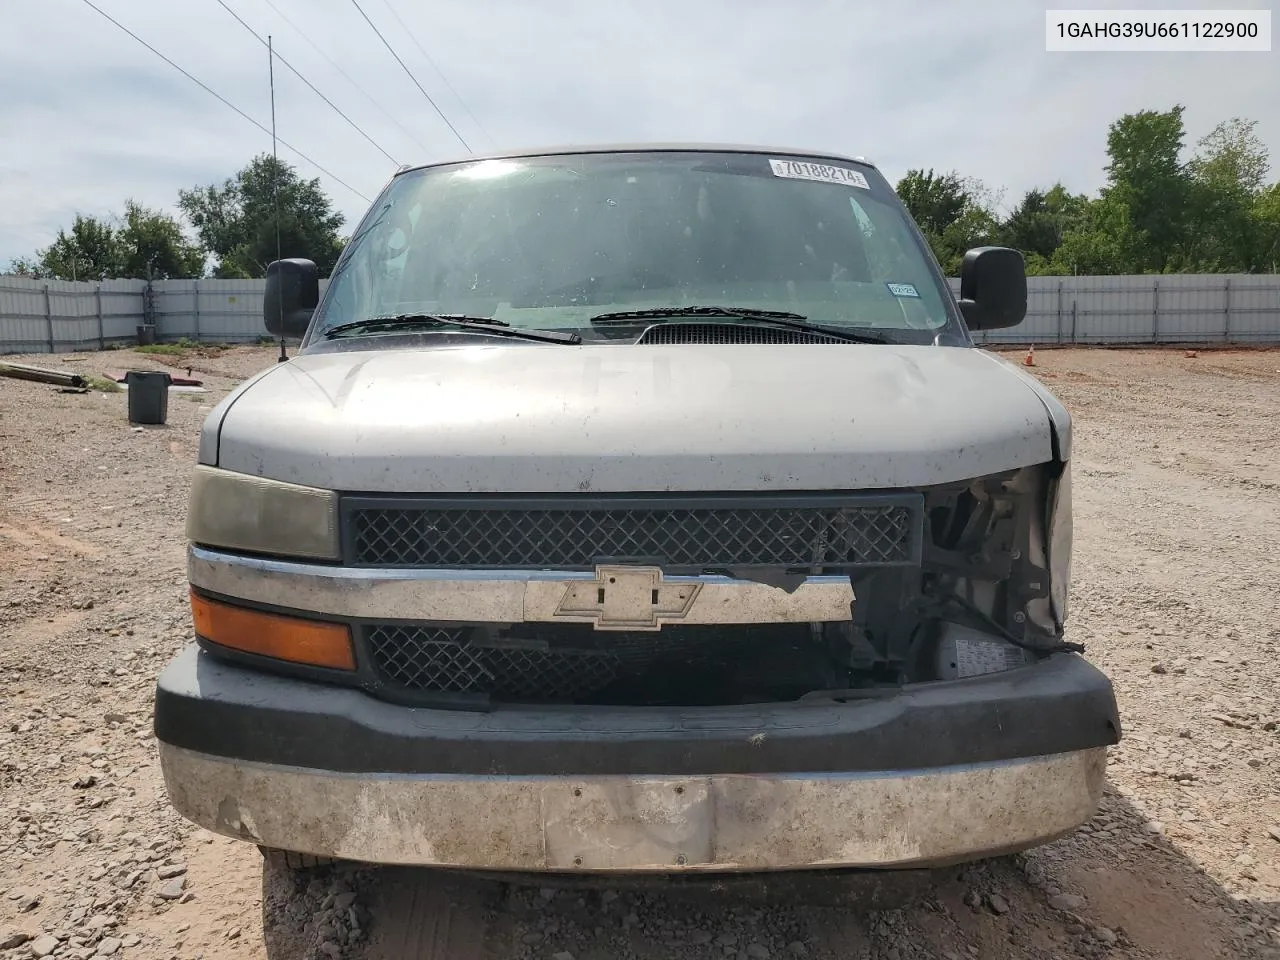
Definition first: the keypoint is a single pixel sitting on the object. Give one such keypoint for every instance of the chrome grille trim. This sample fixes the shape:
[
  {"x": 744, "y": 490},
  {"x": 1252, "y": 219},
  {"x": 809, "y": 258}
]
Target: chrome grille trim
[{"x": 491, "y": 596}]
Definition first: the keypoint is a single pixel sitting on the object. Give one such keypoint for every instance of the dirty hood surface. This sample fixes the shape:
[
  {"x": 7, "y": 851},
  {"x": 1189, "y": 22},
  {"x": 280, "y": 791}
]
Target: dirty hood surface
[{"x": 599, "y": 418}]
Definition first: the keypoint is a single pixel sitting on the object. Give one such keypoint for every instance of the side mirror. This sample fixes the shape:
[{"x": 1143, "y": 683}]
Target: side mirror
[
  {"x": 993, "y": 288},
  {"x": 293, "y": 290}
]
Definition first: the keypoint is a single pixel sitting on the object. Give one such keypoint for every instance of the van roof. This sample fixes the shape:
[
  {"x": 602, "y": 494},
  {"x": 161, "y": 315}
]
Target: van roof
[{"x": 641, "y": 148}]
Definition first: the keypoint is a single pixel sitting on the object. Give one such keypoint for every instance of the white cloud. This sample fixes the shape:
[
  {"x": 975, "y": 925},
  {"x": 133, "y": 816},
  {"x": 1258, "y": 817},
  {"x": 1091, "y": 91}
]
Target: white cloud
[{"x": 89, "y": 117}]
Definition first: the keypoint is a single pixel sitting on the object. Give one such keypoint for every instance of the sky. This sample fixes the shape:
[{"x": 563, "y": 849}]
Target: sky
[{"x": 89, "y": 117}]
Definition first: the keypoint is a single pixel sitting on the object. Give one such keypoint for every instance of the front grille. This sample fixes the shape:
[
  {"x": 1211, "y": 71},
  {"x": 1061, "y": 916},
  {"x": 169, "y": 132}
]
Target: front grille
[
  {"x": 843, "y": 533},
  {"x": 569, "y": 663},
  {"x": 728, "y": 333}
]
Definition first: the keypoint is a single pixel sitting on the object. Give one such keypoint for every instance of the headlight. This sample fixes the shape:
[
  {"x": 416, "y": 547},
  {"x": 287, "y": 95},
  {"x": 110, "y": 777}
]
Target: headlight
[{"x": 240, "y": 512}]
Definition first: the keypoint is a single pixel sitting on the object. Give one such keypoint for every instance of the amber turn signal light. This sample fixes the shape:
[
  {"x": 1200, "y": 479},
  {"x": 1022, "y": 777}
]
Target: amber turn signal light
[{"x": 272, "y": 635}]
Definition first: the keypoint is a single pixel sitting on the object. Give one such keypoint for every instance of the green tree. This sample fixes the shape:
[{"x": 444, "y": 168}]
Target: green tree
[
  {"x": 1231, "y": 153},
  {"x": 237, "y": 220},
  {"x": 1147, "y": 178},
  {"x": 1039, "y": 223},
  {"x": 1103, "y": 241},
  {"x": 152, "y": 245},
  {"x": 139, "y": 244},
  {"x": 89, "y": 251},
  {"x": 1228, "y": 176},
  {"x": 1266, "y": 220},
  {"x": 977, "y": 226},
  {"x": 935, "y": 201},
  {"x": 953, "y": 213},
  {"x": 24, "y": 267}
]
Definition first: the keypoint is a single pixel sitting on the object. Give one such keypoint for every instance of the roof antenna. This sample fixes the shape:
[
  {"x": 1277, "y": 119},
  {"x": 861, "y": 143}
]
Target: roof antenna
[{"x": 275, "y": 181}]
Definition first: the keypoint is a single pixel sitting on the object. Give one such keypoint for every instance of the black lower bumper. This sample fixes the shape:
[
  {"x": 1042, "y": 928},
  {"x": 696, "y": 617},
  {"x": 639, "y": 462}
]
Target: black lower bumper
[{"x": 1059, "y": 705}]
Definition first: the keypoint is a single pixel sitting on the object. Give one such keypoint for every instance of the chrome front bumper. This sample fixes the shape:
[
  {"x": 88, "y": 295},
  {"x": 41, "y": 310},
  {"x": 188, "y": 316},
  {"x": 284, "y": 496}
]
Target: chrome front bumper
[
  {"x": 649, "y": 824},
  {"x": 611, "y": 597}
]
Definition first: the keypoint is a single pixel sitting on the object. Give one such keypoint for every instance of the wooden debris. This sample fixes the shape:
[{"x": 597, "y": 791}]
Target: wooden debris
[{"x": 58, "y": 378}]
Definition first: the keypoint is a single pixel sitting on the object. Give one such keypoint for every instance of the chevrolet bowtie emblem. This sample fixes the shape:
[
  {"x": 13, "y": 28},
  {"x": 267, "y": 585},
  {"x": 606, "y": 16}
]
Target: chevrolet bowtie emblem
[{"x": 627, "y": 598}]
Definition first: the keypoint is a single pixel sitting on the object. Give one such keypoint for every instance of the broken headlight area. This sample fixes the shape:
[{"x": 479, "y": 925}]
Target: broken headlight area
[
  {"x": 994, "y": 573},
  {"x": 1000, "y": 548},
  {"x": 989, "y": 594}
]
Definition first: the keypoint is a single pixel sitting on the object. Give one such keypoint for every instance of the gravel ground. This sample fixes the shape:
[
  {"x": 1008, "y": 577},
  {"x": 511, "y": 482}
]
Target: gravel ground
[{"x": 1174, "y": 593}]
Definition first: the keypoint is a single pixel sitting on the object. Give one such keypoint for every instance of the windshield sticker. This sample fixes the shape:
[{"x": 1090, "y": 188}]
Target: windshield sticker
[
  {"x": 821, "y": 172},
  {"x": 903, "y": 290}
]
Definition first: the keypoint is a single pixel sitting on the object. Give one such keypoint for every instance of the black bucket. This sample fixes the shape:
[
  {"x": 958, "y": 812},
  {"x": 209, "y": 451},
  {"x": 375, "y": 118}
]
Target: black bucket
[{"x": 148, "y": 396}]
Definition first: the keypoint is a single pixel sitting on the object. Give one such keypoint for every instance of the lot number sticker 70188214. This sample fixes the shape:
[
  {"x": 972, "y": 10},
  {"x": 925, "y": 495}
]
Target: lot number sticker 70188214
[{"x": 821, "y": 172}]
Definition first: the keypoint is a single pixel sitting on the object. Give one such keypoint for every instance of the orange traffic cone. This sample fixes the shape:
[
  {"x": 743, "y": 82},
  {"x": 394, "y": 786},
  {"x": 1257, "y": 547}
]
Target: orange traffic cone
[{"x": 1030, "y": 359}]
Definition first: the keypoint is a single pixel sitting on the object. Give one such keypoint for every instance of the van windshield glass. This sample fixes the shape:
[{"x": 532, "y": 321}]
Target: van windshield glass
[{"x": 549, "y": 242}]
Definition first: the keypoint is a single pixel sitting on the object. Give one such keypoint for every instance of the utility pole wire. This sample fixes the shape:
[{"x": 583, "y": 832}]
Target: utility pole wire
[
  {"x": 404, "y": 26},
  {"x": 354, "y": 126},
  {"x": 409, "y": 72},
  {"x": 334, "y": 63},
  {"x": 207, "y": 89}
]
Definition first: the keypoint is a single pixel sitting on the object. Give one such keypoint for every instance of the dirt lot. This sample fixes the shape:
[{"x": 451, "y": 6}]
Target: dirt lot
[{"x": 1177, "y": 492}]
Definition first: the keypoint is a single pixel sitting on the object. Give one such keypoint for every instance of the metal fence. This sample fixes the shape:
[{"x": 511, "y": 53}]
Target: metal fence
[
  {"x": 58, "y": 315},
  {"x": 55, "y": 316},
  {"x": 1169, "y": 308}
]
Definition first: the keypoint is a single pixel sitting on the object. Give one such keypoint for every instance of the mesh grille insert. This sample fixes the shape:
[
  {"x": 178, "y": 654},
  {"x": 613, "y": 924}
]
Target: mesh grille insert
[
  {"x": 694, "y": 537},
  {"x": 432, "y": 660},
  {"x": 569, "y": 663}
]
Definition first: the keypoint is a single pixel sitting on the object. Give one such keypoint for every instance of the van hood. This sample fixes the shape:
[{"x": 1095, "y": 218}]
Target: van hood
[{"x": 517, "y": 418}]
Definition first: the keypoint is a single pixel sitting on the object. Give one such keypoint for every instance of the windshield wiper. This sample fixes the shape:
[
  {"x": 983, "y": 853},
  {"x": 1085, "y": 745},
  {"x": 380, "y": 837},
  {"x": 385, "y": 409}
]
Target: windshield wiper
[
  {"x": 710, "y": 310},
  {"x": 498, "y": 328},
  {"x": 776, "y": 318}
]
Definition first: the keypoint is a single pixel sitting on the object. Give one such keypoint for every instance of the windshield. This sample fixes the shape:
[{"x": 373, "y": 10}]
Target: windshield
[{"x": 549, "y": 242}]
